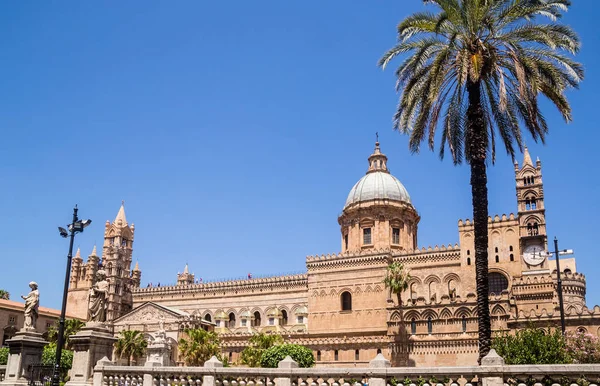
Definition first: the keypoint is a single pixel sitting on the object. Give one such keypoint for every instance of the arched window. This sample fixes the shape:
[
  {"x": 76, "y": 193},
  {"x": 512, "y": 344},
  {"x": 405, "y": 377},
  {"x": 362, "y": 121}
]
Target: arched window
[
  {"x": 346, "y": 301},
  {"x": 346, "y": 241},
  {"x": 468, "y": 252},
  {"x": 535, "y": 229},
  {"x": 413, "y": 326},
  {"x": 208, "y": 318},
  {"x": 468, "y": 261},
  {"x": 464, "y": 324},
  {"x": 231, "y": 320},
  {"x": 256, "y": 319},
  {"x": 512, "y": 257},
  {"x": 336, "y": 355},
  {"x": 429, "y": 325},
  {"x": 284, "y": 317},
  {"x": 318, "y": 355},
  {"x": 510, "y": 248},
  {"x": 356, "y": 355},
  {"x": 498, "y": 283},
  {"x": 119, "y": 271},
  {"x": 497, "y": 259},
  {"x": 496, "y": 249},
  {"x": 378, "y": 351}
]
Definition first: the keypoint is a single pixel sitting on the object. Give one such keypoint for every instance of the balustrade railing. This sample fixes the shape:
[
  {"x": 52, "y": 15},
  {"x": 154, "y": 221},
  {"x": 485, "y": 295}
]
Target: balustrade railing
[
  {"x": 2, "y": 371},
  {"x": 492, "y": 372}
]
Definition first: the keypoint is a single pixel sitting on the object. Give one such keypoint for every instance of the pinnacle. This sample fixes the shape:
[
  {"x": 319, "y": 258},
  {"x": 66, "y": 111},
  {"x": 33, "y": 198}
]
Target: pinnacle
[
  {"x": 94, "y": 253},
  {"x": 527, "y": 157},
  {"x": 121, "y": 214},
  {"x": 186, "y": 270},
  {"x": 78, "y": 254},
  {"x": 137, "y": 266}
]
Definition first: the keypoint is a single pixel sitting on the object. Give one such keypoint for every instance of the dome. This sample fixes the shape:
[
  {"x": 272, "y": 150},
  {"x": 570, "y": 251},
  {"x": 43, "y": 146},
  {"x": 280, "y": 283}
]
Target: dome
[{"x": 377, "y": 185}]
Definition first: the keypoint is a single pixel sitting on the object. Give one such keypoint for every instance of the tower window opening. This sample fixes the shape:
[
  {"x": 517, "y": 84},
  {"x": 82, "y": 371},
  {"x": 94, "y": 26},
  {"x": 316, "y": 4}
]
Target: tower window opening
[
  {"x": 468, "y": 261},
  {"x": 346, "y": 301},
  {"x": 356, "y": 355},
  {"x": 510, "y": 248},
  {"x": 533, "y": 204},
  {"x": 395, "y": 235},
  {"x": 124, "y": 242},
  {"x": 346, "y": 241},
  {"x": 497, "y": 282},
  {"x": 318, "y": 355},
  {"x": 464, "y": 324},
  {"x": 336, "y": 355},
  {"x": 256, "y": 319},
  {"x": 496, "y": 249},
  {"x": 413, "y": 326},
  {"x": 468, "y": 252},
  {"x": 429, "y": 325},
  {"x": 367, "y": 236},
  {"x": 512, "y": 257},
  {"x": 378, "y": 351},
  {"x": 497, "y": 259}
]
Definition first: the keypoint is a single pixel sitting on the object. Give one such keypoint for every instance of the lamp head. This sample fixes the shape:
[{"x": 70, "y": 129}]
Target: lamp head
[{"x": 63, "y": 232}]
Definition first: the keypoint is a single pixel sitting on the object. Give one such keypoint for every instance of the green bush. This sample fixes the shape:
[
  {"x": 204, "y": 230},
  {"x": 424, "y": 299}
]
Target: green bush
[
  {"x": 272, "y": 356},
  {"x": 532, "y": 347},
  {"x": 49, "y": 355},
  {"x": 3, "y": 355},
  {"x": 257, "y": 345}
]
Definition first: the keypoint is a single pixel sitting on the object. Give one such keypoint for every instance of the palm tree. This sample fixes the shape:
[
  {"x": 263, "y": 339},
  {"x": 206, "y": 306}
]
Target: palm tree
[
  {"x": 199, "y": 346},
  {"x": 5, "y": 295},
  {"x": 475, "y": 70},
  {"x": 396, "y": 279},
  {"x": 131, "y": 344},
  {"x": 72, "y": 327}
]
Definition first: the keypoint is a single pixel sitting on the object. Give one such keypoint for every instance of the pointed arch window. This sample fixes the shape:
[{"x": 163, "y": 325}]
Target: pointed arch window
[
  {"x": 413, "y": 326},
  {"x": 429, "y": 325},
  {"x": 256, "y": 322},
  {"x": 284, "y": 317},
  {"x": 231, "y": 320},
  {"x": 346, "y": 299},
  {"x": 208, "y": 318},
  {"x": 464, "y": 324}
]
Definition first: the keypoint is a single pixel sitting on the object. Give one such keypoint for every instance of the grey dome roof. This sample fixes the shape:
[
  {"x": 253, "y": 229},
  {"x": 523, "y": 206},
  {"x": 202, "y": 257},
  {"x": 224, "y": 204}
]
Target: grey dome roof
[{"x": 377, "y": 185}]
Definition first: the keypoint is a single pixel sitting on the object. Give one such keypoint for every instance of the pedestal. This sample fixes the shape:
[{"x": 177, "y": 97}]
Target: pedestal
[
  {"x": 158, "y": 354},
  {"x": 92, "y": 343},
  {"x": 25, "y": 349}
]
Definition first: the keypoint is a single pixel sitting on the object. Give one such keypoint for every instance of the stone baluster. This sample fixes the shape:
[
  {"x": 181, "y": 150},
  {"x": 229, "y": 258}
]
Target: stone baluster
[
  {"x": 286, "y": 363},
  {"x": 378, "y": 363}
]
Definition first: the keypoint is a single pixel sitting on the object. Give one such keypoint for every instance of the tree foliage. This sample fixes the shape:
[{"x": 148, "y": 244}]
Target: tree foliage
[
  {"x": 582, "y": 347},
  {"x": 532, "y": 346},
  {"x": 4, "y": 294},
  {"x": 396, "y": 279},
  {"x": 72, "y": 327},
  {"x": 49, "y": 356},
  {"x": 3, "y": 355},
  {"x": 473, "y": 77},
  {"x": 199, "y": 346},
  {"x": 257, "y": 345},
  {"x": 302, "y": 355},
  {"x": 131, "y": 344}
]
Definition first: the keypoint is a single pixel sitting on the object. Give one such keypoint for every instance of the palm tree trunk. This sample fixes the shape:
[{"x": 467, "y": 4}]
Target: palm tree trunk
[{"x": 477, "y": 145}]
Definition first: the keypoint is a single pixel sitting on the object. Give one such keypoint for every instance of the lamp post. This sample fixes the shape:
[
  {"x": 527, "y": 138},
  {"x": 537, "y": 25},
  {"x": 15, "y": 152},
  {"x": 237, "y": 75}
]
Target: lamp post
[{"x": 76, "y": 226}]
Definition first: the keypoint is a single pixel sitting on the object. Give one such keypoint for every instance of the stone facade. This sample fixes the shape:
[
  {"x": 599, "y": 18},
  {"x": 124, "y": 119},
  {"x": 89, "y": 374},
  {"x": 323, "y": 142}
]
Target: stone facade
[{"x": 340, "y": 307}]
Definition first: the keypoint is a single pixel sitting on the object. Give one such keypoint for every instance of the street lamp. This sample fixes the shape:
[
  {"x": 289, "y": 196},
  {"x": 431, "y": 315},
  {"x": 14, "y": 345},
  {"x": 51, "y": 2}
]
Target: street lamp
[
  {"x": 559, "y": 291},
  {"x": 76, "y": 226}
]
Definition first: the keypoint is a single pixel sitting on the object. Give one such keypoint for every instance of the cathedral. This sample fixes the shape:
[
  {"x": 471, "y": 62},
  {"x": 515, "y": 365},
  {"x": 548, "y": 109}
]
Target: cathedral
[{"x": 340, "y": 307}]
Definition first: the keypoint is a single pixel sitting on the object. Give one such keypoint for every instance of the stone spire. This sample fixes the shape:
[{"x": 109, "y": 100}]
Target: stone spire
[
  {"x": 377, "y": 160},
  {"x": 121, "y": 215},
  {"x": 94, "y": 252},
  {"x": 186, "y": 269},
  {"x": 527, "y": 157},
  {"x": 137, "y": 266},
  {"x": 78, "y": 254}
]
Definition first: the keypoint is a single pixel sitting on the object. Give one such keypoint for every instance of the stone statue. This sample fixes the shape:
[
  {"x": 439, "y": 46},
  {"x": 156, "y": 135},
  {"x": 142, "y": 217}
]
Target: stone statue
[
  {"x": 98, "y": 297},
  {"x": 32, "y": 302},
  {"x": 160, "y": 336}
]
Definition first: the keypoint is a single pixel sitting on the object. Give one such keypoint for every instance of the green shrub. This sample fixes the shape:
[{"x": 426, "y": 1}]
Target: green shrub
[
  {"x": 272, "y": 356},
  {"x": 532, "y": 347},
  {"x": 582, "y": 347},
  {"x": 3, "y": 355},
  {"x": 257, "y": 345},
  {"x": 49, "y": 355}
]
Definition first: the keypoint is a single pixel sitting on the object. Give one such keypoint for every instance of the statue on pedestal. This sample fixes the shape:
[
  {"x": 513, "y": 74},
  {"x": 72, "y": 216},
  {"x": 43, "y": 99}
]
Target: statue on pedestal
[
  {"x": 32, "y": 303},
  {"x": 98, "y": 297}
]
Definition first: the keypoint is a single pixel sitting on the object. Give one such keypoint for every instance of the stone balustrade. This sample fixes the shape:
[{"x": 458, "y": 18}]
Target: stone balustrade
[
  {"x": 492, "y": 372},
  {"x": 2, "y": 371}
]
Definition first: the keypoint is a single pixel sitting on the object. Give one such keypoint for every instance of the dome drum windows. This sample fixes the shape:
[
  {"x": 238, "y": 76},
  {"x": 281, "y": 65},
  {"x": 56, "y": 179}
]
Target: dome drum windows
[
  {"x": 367, "y": 236},
  {"x": 396, "y": 236}
]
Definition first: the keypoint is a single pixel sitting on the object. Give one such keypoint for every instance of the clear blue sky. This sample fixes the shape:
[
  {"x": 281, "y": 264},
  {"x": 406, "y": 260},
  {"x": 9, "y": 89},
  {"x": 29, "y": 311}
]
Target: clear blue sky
[{"x": 234, "y": 131}]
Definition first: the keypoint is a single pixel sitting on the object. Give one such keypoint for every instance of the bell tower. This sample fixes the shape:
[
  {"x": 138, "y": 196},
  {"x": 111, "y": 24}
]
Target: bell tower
[
  {"x": 531, "y": 212},
  {"x": 116, "y": 261}
]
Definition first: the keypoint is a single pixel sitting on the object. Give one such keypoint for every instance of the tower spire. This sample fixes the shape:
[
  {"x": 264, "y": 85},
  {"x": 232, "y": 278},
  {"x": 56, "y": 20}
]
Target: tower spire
[
  {"x": 377, "y": 160},
  {"x": 527, "y": 157},
  {"x": 121, "y": 214},
  {"x": 78, "y": 254}
]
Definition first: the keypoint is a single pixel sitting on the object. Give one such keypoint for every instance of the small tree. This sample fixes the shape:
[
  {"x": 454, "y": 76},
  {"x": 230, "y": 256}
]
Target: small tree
[
  {"x": 72, "y": 327},
  {"x": 532, "y": 347},
  {"x": 199, "y": 346},
  {"x": 131, "y": 344},
  {"x": 4, "y": 294},
  {"x": 302, "y": 355},
  {"x": 257, "y": 345},
  {"x": 3, "y": 355},
  {"x": 396, "y": 279},
  {"x": 582, "y": 347}
]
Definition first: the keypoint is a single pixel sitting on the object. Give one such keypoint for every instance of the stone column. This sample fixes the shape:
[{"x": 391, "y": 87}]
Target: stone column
[
  {"x": 25, "y": 349},
  {"x": 91, "y": 344},
  {"x": 378, "y": 363}
]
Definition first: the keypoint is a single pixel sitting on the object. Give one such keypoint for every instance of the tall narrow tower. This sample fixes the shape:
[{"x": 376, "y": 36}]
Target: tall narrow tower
[
  {"x": 532, "y": 213},
  {"x": 116, "y": 261}
]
